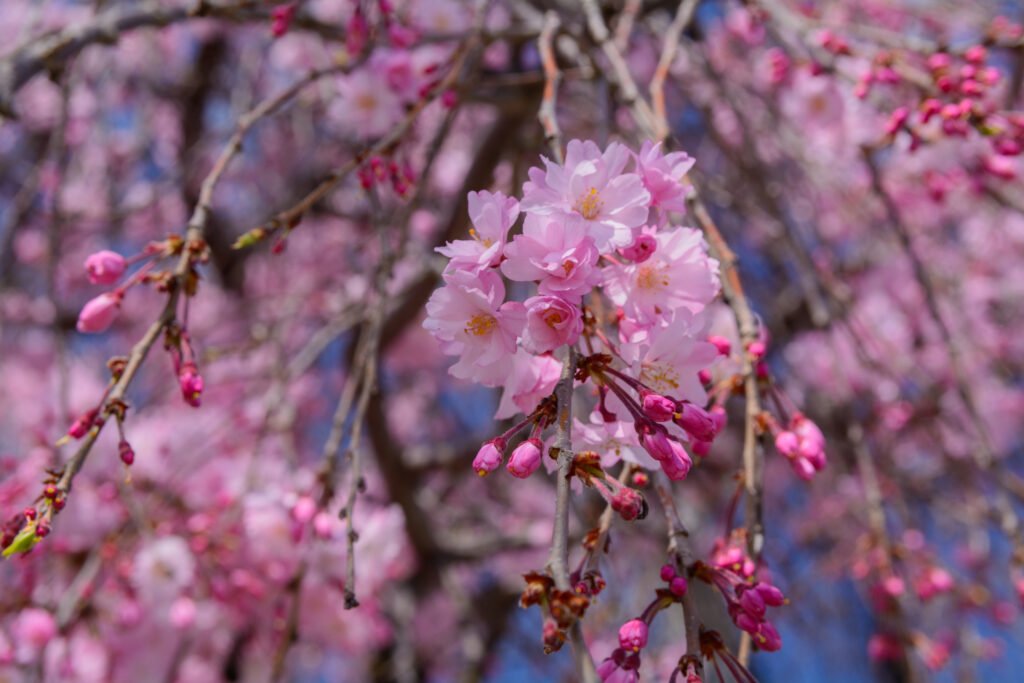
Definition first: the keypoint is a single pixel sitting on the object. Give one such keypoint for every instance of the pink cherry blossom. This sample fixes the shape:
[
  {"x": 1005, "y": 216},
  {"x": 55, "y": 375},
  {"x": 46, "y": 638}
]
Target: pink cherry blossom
[
  {"x": 551, "y": 322},
  {"x": 470, "y": 320},
  {"x": 664, "y": 175},
  {"x": 492, "y": 214},
  {"x": 679, "y": 274},
  {"x": 593, "y": 186},
  {"x": 557, "y": 253}
]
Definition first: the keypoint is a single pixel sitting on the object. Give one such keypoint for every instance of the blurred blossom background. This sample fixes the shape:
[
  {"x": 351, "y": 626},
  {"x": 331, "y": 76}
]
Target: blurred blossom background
[{"x": 273, "y": 180}]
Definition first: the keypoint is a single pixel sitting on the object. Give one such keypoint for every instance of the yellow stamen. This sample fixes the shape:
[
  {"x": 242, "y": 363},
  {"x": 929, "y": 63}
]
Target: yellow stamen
[
  {"x": 481, "y": 324},
  {"x": 589, "y": 204}
]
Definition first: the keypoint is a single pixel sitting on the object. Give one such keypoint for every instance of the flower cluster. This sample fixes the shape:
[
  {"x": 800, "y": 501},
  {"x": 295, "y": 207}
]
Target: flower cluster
[{"x": 598, "y": 264}]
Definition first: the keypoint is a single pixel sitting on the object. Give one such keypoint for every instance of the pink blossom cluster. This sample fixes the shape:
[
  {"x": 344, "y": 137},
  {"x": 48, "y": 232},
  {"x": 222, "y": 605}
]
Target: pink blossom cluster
[{"x": 614, "y": 274}]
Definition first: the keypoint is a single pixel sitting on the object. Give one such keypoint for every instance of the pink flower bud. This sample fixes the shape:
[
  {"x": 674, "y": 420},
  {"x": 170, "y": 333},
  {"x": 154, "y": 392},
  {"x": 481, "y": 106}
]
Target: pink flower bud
[
  {"x": 767, "y": 638},
  {"x": 641, "y": 249},
  {"x": 489, "y": 457},
  {"x": 723, "y": 345},
  {"x": 183, "y": 613},
  {"x": 704, "y": 377},
  {"x": 83, "y": 424},
  {"x": 939, "y": 61},
  {"x": 787, "y": 443},
  {"x": 770, "y": 594},
  {"x": 678, "y": 586},
  {"x": 525, "y": 458},
  {"x": 304, "y": 509},
  {"x": 976, "y": 54},
  {"x": 99, "y": 312},
  {"x": 191, "y": 384},
  {"x": 655, "y": 441},
  {"x": 757, "y": 349},
  {"x": 701, "y": 448},
  {"x": 668, "y": 572},
  {"x": 449, "y": 98},
  {"x": 657, "y": 407},
  {"x": 697, "y": 422},
  {"x": 896, "y": 120},
  {"x": 124, "y": 450},
  {"x": 752, "y": 603},
  {"x": 678, "y": 465},
  {"x": 629, "y": 503},
  {"x": 633, "y": 635},
  {"x": 104, "y": 267}
]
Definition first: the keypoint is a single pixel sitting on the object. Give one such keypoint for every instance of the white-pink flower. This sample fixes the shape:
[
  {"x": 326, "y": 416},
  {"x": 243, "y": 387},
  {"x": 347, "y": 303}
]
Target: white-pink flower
[
  {"x": 492, "y": 215},
  {"x": 366, "y": 107},
  {"x": 663, "y": 175},
  {"x": 470, "y": 320},
  {"x": 555, "y": 252},
  {"x": 551, "y": 322},
  {"x": 528, "y": 379},
  {"x": 679, "y": 274},
  {"x": 670, "y": 358},
  {"x": 593, "y": 186}
]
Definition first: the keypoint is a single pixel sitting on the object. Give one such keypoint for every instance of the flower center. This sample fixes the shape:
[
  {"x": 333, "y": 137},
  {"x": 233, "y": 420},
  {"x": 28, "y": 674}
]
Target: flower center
[
  {"x": 553, "y": 318},
  {"x": 661, "y": 377},
  {"x": 366, "y": 101},
  {"x": 568, "y": 266},
  {"x": 589, "y": 204},
  {"x": 651, "y": 277},
  {"x": 481, "y": 324},
  {"x": 486, "y": 241}
]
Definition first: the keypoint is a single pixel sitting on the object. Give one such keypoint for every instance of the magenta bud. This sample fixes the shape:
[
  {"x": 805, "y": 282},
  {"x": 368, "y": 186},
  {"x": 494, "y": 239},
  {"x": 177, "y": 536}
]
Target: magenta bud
[
  {"x": 641, "y": 249},
  {"x": 489, "y": 457},
  {"x": 704, "y": 376},
  {"x": 678, "y": 586},
  {"x": 104, "y": 267},
  {"x": 678, "y": 465},
  {"x": 657, "y": 407},
  {"x": 668, "y": 572},
  {"x": 525, "y": 458},
  {"x": 770, "y": 594},
  {"x": 633, "y": 635},
  {"x": 99, "y": 312},
  {"x": 124, "y": 450},
  {"x": 697, "y": 422},
  {"x": 787, "y": 443},
  {"x": 191, "y": 384},
  {"x": 752, "y": 603},
  {"x": 767, "y": 638},
  {"x": 655, "y": 441},
  {"x": 82, "y": 425},
  {"x": 723, "y": 345}
]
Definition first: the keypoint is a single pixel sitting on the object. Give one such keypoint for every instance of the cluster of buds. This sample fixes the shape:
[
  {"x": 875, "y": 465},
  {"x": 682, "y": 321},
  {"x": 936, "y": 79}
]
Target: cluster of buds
[
  {"x": 563, "y": 608},
  {"x": 526, "y": 457},
  {"x": 107, "y": 268},
  {"x": 747, "y": 601},
  {"x": 803, "y": 444},
  {"x": 377, "y": 171}
]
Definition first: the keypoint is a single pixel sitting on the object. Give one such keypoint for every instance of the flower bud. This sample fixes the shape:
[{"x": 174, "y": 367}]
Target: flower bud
[
  {"x": 678, "y": 465},
  {"x": 641, "y": 249},
  {"x": 525, "y": 458},
  {"x": 191, "y": 384},
  {"x": 99, "y": 312},
  {"x": 668, "y": 572},
  {"x": 657, "y": 407},
  {"x": 104, "y": 267},
  {"x": 696, "y": 421},
  {"x": 633, "y": 635},
  {"x": 678, "y": 586},
  {"x": 489, "y": 457}
]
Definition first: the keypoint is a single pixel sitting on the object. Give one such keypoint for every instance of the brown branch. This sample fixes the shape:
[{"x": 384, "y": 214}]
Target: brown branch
[
  {"x": 683, "y": 17},
  {"x": 548, "y": 114}
]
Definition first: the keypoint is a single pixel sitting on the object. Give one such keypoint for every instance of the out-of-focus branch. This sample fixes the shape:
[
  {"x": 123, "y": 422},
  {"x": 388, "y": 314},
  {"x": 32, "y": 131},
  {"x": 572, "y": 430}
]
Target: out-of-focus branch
[
  {"x": 548, "y": 114},
  {"x": 193, "y": 239},
  {"x": 682, "y": 19}
]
